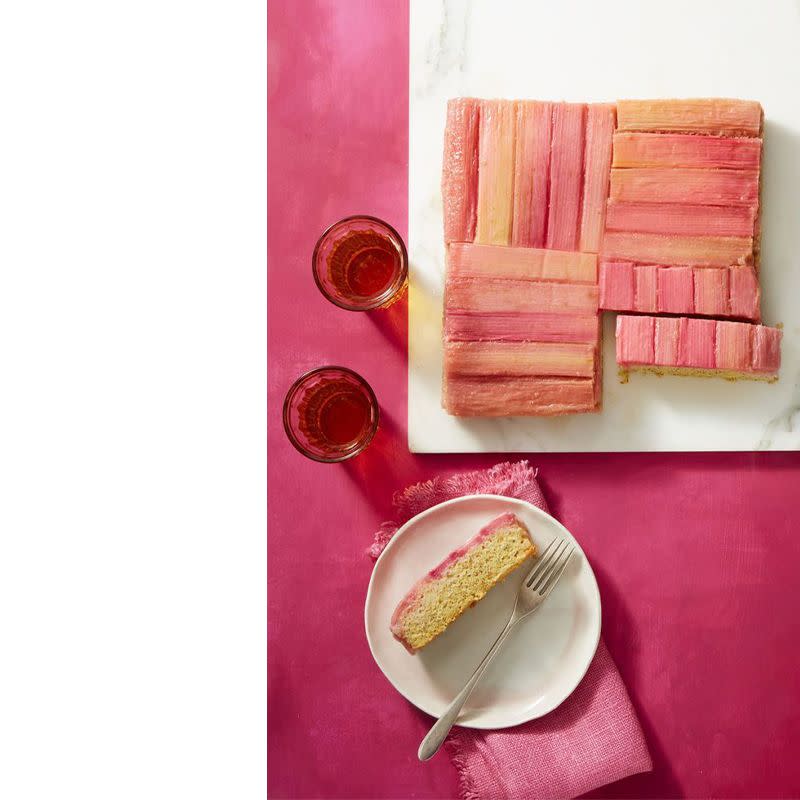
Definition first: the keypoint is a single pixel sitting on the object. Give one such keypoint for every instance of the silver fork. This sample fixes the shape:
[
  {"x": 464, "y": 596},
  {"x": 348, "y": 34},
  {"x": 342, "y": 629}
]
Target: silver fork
[{"x": 533, "y": 591}]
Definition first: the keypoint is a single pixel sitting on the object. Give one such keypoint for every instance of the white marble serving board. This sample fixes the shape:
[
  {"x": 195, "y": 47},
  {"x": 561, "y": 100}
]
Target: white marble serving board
[{"x": 602, "y": 51}]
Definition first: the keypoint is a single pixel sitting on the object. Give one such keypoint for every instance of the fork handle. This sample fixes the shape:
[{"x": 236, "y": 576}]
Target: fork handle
[{"x": 438, "y": 733}]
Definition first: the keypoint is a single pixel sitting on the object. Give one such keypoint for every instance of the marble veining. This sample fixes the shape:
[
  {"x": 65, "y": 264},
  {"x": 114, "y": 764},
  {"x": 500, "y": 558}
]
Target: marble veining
[{"x": 501, "y": 48}]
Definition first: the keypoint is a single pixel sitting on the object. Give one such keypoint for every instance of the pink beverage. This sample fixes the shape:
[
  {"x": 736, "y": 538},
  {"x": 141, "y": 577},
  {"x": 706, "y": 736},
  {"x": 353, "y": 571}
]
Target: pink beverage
[
  {"x": 360, "y": 263},
  {"x": 330, "y": 414}
]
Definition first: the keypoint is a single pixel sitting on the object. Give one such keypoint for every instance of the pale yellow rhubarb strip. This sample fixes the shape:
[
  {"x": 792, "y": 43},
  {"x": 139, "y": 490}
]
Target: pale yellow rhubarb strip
[
  {"x": 495, "y": 172},
  {"x": 721, "y": 117},
  {"x": 519, "y": 358},
  {"x": 716, "y": 187},
  {"x": 700, "y": 251},
  {"x": 520, "y": 263},
  {"x": 686, "y": 150}
]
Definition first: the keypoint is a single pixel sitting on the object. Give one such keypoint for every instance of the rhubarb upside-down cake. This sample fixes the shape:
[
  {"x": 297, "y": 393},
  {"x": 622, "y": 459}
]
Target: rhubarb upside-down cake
[{"x": 555, "y": 212}]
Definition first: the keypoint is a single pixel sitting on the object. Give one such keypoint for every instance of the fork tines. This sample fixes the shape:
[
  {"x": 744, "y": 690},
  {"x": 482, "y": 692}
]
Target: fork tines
[{"x": 551, "y": 563}]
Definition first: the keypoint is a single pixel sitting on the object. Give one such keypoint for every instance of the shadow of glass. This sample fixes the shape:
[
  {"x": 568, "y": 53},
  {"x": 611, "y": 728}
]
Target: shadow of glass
[
  {"x": 392, "y": 322},
  {"x": 384, "y": 467}
]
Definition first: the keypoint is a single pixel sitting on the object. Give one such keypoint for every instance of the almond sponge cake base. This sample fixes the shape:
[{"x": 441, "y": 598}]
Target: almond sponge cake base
[
  {"x": 697, "y": 372},
  {"x": 460, "y": 581}
]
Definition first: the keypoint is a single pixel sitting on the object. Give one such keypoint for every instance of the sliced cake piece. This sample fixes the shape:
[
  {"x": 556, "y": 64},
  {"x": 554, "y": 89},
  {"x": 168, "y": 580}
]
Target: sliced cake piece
[
  {"x": 717, "y": 116},
  {"x": 698, "y": 347},
  {"x": 686, "y": 150},
  {"x": 566, "y": 176},
  {"x": 531, "y": 167},
  {"x": 495, "y": 172},
  {"x": 460, "y": 169},
  {"x": 460, "y": 581}
]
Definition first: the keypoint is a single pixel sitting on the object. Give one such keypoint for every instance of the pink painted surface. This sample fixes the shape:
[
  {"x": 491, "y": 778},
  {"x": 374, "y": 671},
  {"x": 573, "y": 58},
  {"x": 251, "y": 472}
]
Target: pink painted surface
[{"x": 710, "y": 654}]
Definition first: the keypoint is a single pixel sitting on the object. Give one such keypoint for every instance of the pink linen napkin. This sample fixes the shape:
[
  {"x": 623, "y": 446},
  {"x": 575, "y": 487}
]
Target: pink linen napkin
[{"x": 593, "y": 738}]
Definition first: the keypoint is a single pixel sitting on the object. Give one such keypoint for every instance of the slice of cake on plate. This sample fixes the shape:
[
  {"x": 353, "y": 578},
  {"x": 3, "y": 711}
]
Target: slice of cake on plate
[{"x": 460, "y": 581}]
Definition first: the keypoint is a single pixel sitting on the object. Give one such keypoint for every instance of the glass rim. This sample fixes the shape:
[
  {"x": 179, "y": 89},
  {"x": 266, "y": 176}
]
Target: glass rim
[
  {"x": 388, "y": 293},
  {"x": 373, "y": 429}
]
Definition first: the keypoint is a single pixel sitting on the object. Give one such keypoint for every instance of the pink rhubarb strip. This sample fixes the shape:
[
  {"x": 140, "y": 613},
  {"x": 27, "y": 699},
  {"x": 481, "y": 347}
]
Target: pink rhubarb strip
[
  {"x": 522, "y": 327},
  {"x": 711, "y": 292},
  {"x": 504, "y": 296},
  {"x": 524, "y": 396},
  {"x": 645, "y": 286},
  {"x": 600, "y": 121},
  {"x": 531, "y": 167},
  {"x": 684, "y": 219},
  {"x": 686, "y": 150},
  {"x": 675, "y": 290},
  {"x": 566, "y": 176},
  {"x": 703, "y": 291},
  {"x": 460, "y": 169},
  {"x": 617, "y": 291}
]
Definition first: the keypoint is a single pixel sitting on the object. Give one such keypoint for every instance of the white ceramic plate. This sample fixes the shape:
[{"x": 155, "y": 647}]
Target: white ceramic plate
[{"x": 540, "y": 664}]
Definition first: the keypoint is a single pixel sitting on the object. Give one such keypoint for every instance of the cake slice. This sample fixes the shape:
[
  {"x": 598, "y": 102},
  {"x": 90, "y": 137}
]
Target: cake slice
[
  {"x": 460, "y": 581},
  {"x": 698, "y": 347}
]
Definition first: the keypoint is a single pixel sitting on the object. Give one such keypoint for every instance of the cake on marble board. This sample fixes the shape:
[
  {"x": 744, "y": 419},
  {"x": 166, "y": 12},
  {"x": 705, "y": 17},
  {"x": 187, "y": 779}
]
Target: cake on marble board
[{"x": 666, "y": 191}]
